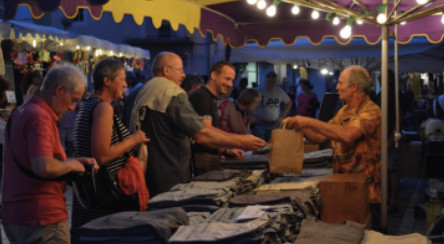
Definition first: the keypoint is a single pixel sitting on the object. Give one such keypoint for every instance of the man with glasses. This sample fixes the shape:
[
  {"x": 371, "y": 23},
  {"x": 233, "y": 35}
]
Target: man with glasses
[{"x": 163, "y": 111}]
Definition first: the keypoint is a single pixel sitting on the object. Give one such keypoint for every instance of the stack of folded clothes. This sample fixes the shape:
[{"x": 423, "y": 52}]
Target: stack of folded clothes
[
  {"x": 208, "y": 191},
  {"x": 134, "y": 227},
  {"x": 219, "y": 232}
]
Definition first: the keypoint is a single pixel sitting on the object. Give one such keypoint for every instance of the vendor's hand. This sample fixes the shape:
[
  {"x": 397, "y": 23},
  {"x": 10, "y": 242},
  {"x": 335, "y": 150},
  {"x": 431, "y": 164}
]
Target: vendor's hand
[
  {"x": 295, "y": 122},
  {"x": 88, "y": 161},
  {"x": 140, "y": 137},
  {"x": 235, "y": 153}
]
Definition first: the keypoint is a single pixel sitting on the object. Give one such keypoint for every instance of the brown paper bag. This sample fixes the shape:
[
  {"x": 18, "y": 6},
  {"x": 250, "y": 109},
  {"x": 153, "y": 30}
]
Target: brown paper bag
[
  {"x": 286, "y": 151},
  {"x": 142, "y": 156}
]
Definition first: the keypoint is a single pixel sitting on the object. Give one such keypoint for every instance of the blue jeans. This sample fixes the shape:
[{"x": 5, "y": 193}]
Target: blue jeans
[{"x": 263, "y": 130}]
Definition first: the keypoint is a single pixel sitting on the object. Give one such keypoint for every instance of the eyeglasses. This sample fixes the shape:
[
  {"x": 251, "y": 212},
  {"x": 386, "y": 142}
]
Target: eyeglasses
[{"x": 180, "y": 69}]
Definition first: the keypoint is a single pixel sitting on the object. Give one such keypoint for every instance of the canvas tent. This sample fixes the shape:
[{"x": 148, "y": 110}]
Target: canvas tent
[{"x": 239, "y": 23}]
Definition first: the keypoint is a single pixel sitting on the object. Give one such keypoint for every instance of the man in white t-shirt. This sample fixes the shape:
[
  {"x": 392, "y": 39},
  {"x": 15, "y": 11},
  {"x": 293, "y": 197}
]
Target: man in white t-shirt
[{"x": 268, "y": 112}]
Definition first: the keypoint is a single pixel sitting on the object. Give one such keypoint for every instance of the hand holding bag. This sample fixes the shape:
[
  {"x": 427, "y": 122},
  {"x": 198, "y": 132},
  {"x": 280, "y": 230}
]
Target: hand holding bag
[{"x": 286, "y": 151}]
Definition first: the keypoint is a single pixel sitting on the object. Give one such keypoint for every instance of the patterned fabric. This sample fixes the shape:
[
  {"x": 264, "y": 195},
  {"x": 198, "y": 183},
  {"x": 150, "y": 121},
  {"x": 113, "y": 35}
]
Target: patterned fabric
[{"x": 362, "y": 156}]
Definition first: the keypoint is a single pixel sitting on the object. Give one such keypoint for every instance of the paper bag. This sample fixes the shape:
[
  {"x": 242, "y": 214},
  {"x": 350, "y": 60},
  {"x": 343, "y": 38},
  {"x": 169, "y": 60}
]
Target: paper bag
[
  {"x": 286, "y": 151},
  {"x": 142, "y": 156}
]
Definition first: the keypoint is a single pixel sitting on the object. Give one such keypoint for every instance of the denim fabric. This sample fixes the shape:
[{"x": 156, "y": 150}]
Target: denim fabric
[
  {"x": 216, "y": 197},
  {"x": 197, "y": 217},
  {"x": 218, "y": 232},
  {"x": 250, "y": 162},
  {"x": 149, "y": 226},
  {"x": 221, "y": 175},
  {"x": 215, "y": 193},
  {"x": 283, "y": 225},
  {"x": 314, "y": 232}
]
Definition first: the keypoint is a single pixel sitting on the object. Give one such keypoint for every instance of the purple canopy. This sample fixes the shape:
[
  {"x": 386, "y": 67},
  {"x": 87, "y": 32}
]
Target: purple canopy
[{"x": 239, "y": 23}]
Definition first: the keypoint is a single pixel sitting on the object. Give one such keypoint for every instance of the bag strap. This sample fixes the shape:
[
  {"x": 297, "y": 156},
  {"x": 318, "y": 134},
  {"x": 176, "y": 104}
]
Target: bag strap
[
  {"x": 25, "y": 170},
  {"x": 119, "y": 132}
]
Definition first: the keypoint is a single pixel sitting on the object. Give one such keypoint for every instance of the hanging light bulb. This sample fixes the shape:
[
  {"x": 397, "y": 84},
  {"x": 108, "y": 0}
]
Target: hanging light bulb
[
  {"x": 261, "y": 4},
  {"x": 324, "y": 71},
  {"x": 346, "y": 31},
  {"x": 442, "y": 19},
  {"x": 88, "y": 48},
  {"x": 381, "y": 18},
  {"x": 403, "y": 23},
  {"x": 295, "y": 9},
  {"x": 422, "y": 1},
  {"x": 271, "y": 11},
  {"x": 315, "y": 14},
  {"x": 251, "y": 2},
  {"x": 120, "y": 54},
  {"x": 330, "y": 72},
  {"x": 336, "y": 21},
  {"x": 295, "y": 66},
  {"x": 34, "y": 43},
  {"x": 77, "y": 47},
  {"x": 359, "y": 22}
]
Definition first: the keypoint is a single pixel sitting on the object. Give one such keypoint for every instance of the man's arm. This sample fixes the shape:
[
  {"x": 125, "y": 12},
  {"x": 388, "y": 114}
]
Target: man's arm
[
  {"x": 284, "y": 112},
  {"x": 316, "y": 129},
  {"x": 214, "y": 138},
  {"x": 49, "y": 167}
]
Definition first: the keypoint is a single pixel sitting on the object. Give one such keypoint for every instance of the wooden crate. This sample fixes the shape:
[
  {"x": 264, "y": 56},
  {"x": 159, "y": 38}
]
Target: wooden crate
[{"x": 344, "y": 197}]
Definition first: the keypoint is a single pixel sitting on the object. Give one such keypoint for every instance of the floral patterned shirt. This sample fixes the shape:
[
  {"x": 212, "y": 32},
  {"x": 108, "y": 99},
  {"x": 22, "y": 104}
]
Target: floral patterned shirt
[{"x": 364, "y": 155}]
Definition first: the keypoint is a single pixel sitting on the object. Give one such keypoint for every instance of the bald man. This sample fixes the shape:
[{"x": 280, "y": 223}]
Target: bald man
[{"x": 163, "y": 111}]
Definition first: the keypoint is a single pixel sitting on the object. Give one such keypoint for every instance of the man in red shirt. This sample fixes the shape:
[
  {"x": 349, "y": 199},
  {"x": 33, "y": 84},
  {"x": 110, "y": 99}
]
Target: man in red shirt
[{"x": 34, "y": 206}]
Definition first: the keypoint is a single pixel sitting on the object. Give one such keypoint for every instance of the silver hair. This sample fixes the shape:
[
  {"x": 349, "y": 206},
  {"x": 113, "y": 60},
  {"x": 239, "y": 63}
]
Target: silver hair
[
  {"x": 358, "y": 75},
  {"x": 68, "y": 74}
]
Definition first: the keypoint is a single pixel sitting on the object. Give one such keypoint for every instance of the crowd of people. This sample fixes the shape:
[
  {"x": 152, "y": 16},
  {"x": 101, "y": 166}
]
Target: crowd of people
[{"x": 186, "y": 122}]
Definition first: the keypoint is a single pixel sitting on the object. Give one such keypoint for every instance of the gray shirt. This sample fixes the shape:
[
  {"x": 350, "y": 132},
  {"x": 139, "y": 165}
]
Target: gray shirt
[{"x": 170, "y": 146}]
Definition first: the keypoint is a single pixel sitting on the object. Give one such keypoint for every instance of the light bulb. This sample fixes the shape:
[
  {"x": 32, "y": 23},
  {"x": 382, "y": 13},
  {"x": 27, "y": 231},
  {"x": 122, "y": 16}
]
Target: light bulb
[
  {"x": 359, "y": 22},
  {"x": 382, "y": 18},
  {"x": 345, "y": 32},
  {"x": 261, "y": 4},
  {"x": 403, "y": 23},
  {"x": 271, "y": 11},
  {"x": 61, "y": 44},
  {"x": 251, "y": 2},
  {"x": 295, "y": 66},
  {"x": 77, "y": 47},
  {"x": 324, "y": 71},
  {"x": 421, "y": 1},
  {"x": 34, "y": 43},
  {"x": 88, "y": 48},
  {"x": 442, "y": 19},
  {"x": 120, "y": 54},
  {"x": 336, "y": 21},
  {"x": 315, "y": 14},
  {"x": 330, "y": 73},
  {"x": 295, "y": 10}
]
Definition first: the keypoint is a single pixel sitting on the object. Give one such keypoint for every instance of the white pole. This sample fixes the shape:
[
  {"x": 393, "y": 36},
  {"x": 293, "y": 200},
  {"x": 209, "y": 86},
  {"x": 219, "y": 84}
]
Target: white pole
[{"x": 384, "y": 107}]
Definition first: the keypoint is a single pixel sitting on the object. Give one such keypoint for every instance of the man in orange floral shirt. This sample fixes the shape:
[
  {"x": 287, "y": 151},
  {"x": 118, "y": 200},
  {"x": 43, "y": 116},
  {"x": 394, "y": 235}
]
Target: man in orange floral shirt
[{"x": 355, "y": 131}]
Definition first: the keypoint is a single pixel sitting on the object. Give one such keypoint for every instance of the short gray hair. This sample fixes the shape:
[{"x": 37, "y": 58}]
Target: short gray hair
[
  {"x": 67, "y": 74},
  {"x": 358, "y": 75}
]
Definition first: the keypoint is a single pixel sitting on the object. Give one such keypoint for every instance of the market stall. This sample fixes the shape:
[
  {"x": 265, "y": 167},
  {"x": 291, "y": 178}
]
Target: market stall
[{"x": 228, "y": 19}]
